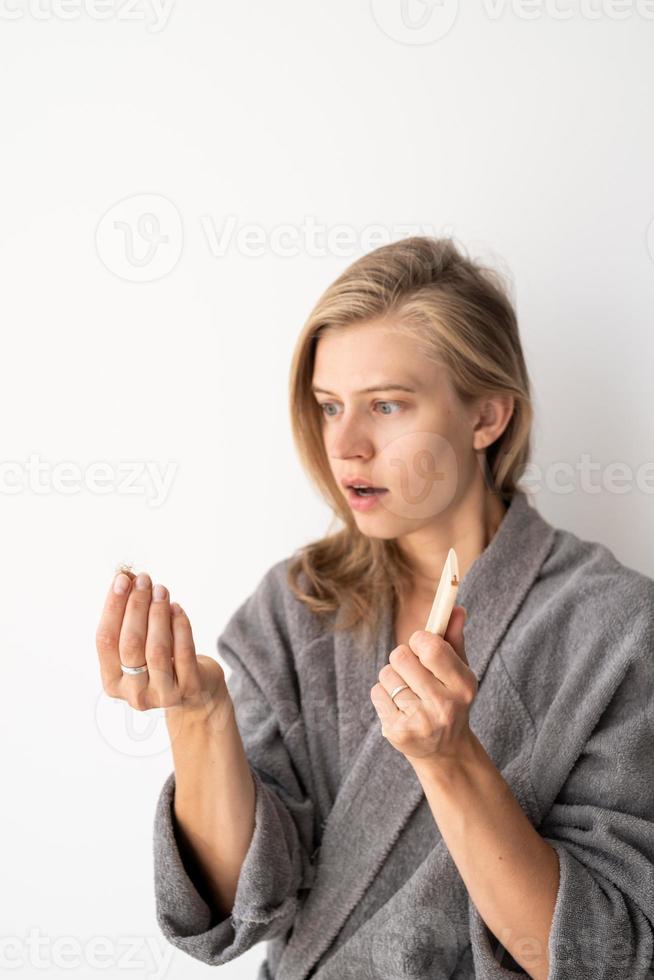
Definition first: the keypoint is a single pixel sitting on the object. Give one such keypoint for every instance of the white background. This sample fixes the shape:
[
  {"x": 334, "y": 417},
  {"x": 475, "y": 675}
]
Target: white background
[{"x": 523, "y": 131}]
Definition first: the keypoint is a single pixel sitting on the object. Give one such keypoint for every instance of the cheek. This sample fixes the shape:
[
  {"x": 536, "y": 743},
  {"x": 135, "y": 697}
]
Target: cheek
[{"x": 420, "y": 468}]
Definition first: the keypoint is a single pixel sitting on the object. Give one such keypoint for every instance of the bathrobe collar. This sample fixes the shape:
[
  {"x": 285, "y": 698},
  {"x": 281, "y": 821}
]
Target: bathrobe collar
[{"x": 380, "y": 789}]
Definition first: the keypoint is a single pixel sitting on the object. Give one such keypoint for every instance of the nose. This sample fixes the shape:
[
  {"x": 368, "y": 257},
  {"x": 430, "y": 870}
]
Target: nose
[{"x": 347, "y": 437}]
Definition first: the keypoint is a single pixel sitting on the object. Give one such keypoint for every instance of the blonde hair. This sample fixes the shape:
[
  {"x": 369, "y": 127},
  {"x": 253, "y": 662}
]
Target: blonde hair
[{"x": 459, "y": 313}]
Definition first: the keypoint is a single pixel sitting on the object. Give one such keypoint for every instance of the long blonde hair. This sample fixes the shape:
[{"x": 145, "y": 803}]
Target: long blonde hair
[{"x": 459, "y": 313}]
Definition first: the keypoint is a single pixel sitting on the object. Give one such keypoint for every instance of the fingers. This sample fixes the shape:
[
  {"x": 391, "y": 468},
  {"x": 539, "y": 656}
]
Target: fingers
[
  {"x": 139, "y": 626},
  {"x": 184, "y": 655},
  {"x": 435, "y": 656},
  {"x": 131, "y": 641},
  {"x": 159, "y": 650},
  {"x": 404, "y": 700},
  {"x": 108, "y": 631}
]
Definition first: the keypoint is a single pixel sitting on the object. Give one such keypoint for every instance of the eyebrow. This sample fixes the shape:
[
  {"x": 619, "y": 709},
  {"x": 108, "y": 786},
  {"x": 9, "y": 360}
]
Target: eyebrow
[{"x": 380, "y": 386}]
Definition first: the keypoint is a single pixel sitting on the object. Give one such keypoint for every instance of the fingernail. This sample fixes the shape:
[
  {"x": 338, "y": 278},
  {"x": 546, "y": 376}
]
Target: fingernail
[
  {"x": 143, "y": 581},
  {"x": 175, "y": 608},
  {"x": 159, "y": 592},
  {"x": 121, "y": 584}
]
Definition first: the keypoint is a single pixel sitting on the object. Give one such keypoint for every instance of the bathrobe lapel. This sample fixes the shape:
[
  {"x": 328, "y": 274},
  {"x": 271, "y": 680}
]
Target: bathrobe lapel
[{"x": 380, "y": 789}]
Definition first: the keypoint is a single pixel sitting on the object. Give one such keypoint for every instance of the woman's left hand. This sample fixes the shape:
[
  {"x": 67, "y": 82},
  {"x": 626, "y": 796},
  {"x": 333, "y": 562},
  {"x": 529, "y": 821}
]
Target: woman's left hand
[{"x": 429, "y": 719}]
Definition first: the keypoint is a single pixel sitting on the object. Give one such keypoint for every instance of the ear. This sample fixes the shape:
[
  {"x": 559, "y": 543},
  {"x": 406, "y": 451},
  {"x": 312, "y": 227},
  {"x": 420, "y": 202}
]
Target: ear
[{"x": 493, "y": 415}]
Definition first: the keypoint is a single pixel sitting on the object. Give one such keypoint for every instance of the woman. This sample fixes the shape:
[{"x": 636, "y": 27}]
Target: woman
[{"x": 370, "y": 799}]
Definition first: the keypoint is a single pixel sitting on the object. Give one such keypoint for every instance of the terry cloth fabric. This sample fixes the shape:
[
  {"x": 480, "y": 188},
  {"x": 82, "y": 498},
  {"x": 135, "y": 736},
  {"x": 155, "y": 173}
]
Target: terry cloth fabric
[{"x": 347, "y": 875}]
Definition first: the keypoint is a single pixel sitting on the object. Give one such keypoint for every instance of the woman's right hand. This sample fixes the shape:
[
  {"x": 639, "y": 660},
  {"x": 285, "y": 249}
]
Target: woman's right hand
[{"x": 138, "y": 626}]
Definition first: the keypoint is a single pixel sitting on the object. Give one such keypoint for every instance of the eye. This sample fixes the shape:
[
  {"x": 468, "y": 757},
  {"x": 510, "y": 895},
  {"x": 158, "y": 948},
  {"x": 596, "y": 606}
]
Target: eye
[
  {"x": 324, "y": 405},
  {"x": 390, "y": 403}
]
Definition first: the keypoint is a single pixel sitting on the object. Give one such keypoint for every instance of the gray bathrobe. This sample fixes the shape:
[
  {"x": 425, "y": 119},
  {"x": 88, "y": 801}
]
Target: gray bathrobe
[{"x": 347, "y": 875}]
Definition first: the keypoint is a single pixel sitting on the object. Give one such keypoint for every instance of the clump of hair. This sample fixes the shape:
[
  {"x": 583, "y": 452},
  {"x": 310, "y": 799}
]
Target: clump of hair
[{"x": 127, "y": 569}]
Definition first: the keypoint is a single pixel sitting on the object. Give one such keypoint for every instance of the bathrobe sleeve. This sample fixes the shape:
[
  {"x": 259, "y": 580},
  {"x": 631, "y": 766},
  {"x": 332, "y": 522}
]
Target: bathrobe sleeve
[
  {"x": 601, "y": 825},
  {"x": 256, "y": 646}
]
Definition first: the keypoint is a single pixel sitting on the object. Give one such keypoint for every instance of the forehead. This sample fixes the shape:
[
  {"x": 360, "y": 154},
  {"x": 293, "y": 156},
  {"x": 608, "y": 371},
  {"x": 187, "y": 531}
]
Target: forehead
[{"x": 351, "y": 358}]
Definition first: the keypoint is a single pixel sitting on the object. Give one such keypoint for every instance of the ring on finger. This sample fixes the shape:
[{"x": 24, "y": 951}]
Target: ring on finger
[
  {"x": 396, "y": 690},
  {"x": 132, "y": 670}
]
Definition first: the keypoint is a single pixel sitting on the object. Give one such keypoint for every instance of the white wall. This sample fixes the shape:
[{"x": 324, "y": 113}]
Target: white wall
[{"x": 521, "y": 130}]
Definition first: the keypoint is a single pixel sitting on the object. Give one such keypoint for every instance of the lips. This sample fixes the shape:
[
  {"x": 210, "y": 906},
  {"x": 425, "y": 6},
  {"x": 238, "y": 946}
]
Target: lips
[
  {"x": 366, "y": 499},
  {"x": 351, "y": 481}
]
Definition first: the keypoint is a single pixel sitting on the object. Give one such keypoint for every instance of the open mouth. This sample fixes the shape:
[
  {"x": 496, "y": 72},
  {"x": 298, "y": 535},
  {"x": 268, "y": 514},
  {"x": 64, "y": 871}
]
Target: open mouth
[{"x": 367, "y": 491}]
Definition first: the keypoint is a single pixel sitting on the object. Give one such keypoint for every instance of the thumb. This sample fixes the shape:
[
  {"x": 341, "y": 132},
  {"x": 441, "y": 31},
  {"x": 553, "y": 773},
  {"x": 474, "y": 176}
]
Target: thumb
[{"x": 454, "y": 632}]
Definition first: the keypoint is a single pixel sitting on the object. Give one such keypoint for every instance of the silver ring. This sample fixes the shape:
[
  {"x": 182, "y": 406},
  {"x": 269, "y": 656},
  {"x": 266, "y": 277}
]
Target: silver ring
[
  {"x": 133, "y": 670},
  {"x": 396, "y": 690}
]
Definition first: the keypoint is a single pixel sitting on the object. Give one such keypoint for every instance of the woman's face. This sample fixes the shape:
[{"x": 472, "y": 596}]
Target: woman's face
[{"x": 417, "y": 444}]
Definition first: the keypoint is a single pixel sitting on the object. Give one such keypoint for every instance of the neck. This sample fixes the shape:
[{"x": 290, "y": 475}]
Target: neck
[{"x": 467, "y": 525}]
